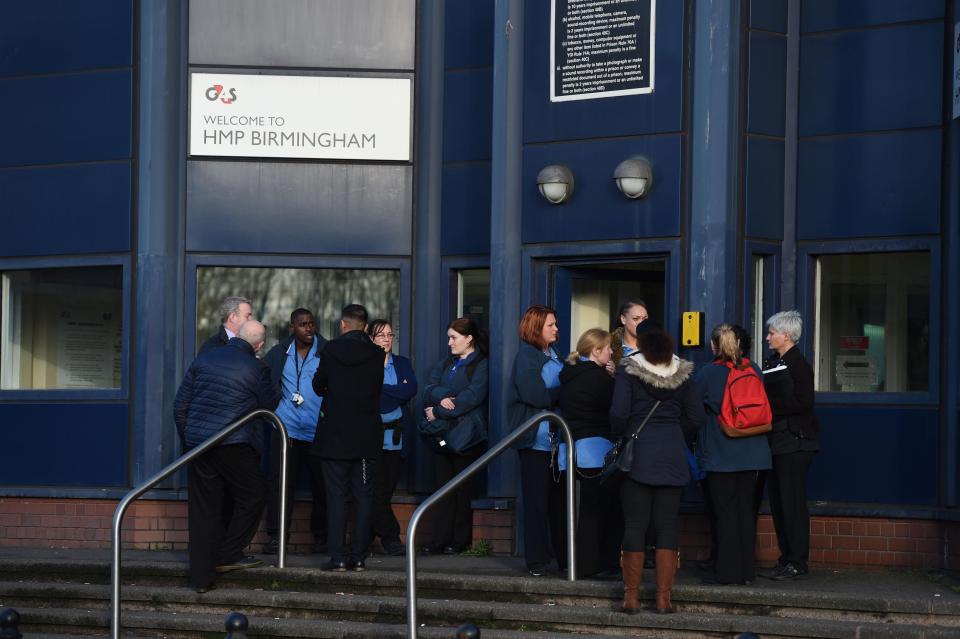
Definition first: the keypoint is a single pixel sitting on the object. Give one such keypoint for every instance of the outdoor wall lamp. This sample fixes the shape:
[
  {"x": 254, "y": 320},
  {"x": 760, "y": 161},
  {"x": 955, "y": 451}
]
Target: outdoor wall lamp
[
  {"x": 634, "y": 177},
  {"x": 555, "y": 183}
]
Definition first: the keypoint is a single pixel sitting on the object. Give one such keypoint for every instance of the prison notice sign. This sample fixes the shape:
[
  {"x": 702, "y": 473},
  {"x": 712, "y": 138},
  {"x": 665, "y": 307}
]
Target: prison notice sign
[
  {"x": 601, "y": 48},
  {"x": 310, "y": 117}
]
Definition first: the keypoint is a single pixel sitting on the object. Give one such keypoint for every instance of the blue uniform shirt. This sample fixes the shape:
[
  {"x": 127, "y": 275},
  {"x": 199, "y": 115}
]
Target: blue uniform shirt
[
  {"x": 390, "y": 378},
  {"x": 301, "y": 422},
  {"x": 550, "y": 373}
]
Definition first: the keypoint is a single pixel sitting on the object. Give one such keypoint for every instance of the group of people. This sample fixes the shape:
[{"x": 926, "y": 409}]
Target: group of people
[
  {"x": 631, "y": 384},
  {"x": 351, "y": 407}
]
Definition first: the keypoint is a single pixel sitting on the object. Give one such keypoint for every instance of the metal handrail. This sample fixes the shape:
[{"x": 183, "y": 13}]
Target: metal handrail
[
  {"x": 228, "y": 430},
  {"x": 469, "y": 472}
]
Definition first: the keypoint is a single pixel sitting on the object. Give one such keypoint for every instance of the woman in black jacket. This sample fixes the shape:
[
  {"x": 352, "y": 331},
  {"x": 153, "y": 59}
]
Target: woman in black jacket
[
  {"x": 652, "y": 487},
  {"x": 788, "y": 379},
  {"x": 586, "y": 392},
  {"x": 455, "y": 420}
]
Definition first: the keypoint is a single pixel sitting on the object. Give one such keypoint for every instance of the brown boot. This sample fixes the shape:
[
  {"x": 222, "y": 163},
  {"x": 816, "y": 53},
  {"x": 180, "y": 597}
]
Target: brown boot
[
  {"x": 666, "y": 573},
  {"x": 632, "y": 576}
]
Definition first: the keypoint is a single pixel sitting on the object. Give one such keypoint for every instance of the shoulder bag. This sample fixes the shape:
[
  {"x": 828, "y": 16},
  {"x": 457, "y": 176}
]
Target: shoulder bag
[{"x": 620, "y": 457}]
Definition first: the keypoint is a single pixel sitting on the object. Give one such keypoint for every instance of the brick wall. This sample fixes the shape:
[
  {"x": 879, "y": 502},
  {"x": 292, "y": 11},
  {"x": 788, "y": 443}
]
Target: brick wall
[{"x": 162, "y": 525}]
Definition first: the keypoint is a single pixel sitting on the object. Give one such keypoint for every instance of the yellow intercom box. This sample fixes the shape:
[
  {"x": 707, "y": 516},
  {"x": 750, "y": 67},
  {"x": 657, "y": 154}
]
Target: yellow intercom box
[{"x": 691, "y": 332}]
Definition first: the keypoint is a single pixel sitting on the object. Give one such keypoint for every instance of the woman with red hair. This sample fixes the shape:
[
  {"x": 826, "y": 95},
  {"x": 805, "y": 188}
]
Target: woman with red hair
[{"x": 534, "y": 387}]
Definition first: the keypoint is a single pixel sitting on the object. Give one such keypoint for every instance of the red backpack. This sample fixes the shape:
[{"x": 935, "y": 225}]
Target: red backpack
[{"x": 745, "y": 409}]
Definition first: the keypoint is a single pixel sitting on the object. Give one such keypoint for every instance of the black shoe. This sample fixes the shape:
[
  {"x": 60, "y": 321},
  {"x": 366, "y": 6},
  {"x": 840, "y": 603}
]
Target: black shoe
[
  {"x": 772, "y": 572},
  {"x": 614, "y": 574},
  {"x": 707, "y": 565},
  {"x": 453, "y": 550},
  {"x": 432, "y": 550},
  {"x": 537, "y": 571},
  {"x": 335, "y": 565},
  {"x": 788, "y": 572},
  {"x": 394, "y": 548},
  {"x": 713, "y": 581},
  {"x": 356, "y": 565},
  {"x": 202, "y": 589},
  {"x": 319, "y": 547},
  {"x": 244, "y": 562},
  {"x": 272, "y": 546}
]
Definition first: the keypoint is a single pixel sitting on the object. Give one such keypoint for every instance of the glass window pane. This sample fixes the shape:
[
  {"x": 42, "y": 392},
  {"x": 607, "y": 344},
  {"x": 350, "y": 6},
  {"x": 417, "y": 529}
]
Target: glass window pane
[
  {"x": 62, "y": 328},
  {"x": 757, "y": 328},
  {"x": 473, "y": 295},
  {"x": 873, "y": 327},
  {"x": 276, "y": 292}
]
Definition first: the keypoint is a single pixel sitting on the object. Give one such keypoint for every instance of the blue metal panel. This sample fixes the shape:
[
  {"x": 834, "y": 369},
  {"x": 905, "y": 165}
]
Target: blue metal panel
[
  {"x": 876, "y": 454},
  {"x": 466, "y": 209},
  {"x": 86, "y": 209},
  {"x": 871, "y": 80},
  {"x": 769, "y": 15},
  {"x": 72, "y": 118},
  {"x": 279, "y": 207},
  {"x": 659, "y": 111},
  {"x": 65, "y": 444},
  {"x": 44, "y": 36},
  {"x": 766, "y": 91},
  {"x": 467, "y": 114},
  {"x": 874, "y": 185},
  {"x": 821, "y": 15},
  {"x": 764, "y": 188},
  {"x": 598, "y": 210},
  {"x": 467, "y": 34}
]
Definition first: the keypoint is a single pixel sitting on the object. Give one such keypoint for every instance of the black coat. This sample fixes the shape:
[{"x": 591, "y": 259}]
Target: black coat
[
  {"x": 216, "y": 340},
  {"x": 586, "y": 393},
  {"x": 349, "y": 377},
  {"x": 222, "y": 385},
  {"x": 791, "y": 396},
  {"x": 659, "y": 455}
]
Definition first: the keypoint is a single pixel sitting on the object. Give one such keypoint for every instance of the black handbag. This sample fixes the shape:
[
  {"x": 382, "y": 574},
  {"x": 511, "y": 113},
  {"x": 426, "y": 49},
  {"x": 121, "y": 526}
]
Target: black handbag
[{"x": 620, "y": 457}]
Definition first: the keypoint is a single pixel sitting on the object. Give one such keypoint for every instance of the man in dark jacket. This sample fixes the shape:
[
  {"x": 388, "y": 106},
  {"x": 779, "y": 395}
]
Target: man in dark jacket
[
  {"x": 349, "y": 436},
  {"x": 293, "y": 363},
  {"x": 221, "y": 386},
  {"x": 234, "y": 311}
]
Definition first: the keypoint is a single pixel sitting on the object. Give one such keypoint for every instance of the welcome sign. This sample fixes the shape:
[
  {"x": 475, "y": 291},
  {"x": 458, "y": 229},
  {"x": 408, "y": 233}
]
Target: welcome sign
[{"x": 309, "y": 117}]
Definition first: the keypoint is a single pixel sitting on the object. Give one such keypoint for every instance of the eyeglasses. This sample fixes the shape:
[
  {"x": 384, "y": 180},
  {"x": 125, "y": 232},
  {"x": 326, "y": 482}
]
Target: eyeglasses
[{"x": 385, "y": 335}]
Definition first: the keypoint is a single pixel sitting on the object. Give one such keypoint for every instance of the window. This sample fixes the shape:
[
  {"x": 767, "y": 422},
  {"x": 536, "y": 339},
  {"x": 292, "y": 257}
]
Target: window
[
  {"x": 61, "y": 328},
  {"x": 276, "y": 292},
  {"x": 757, "y": 328},
  {"x": 873, "y": 322},
  {"x": 473, "y": 295}
]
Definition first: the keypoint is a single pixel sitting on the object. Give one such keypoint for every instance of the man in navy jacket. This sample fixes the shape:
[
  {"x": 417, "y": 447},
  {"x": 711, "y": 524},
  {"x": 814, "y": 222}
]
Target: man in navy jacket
[{"x": 221, "y": 386}]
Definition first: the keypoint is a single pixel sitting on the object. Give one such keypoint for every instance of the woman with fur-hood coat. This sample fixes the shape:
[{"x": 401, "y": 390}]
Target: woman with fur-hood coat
[{"x": 651, "y": 490}]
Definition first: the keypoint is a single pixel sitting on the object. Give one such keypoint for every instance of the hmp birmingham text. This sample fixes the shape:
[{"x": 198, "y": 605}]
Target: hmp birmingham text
[{"x": 316, "y": 139}]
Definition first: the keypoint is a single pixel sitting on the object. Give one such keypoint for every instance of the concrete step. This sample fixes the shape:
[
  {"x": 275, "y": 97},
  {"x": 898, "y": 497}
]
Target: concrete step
[{"x": 177, "y": 604}]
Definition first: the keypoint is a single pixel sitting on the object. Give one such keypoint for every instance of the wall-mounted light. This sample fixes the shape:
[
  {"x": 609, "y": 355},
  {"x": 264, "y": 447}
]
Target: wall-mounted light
[
  {"x": 555, "y": 183},
  {"x": 634, "y": 177}
]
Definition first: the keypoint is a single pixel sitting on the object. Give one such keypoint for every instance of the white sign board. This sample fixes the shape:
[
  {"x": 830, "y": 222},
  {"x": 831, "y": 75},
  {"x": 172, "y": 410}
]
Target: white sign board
[
  {"x": 325, "y": 118},
  {"x": 956, "y": 70}
]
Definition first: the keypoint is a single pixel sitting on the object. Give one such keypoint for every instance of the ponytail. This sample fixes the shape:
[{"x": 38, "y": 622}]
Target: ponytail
[{"x": 727, "y": 344}]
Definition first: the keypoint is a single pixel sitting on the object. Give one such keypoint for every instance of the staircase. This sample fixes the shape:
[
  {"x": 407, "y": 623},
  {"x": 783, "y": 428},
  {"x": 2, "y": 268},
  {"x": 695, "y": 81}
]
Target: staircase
[{"x": 66, "y": 594}]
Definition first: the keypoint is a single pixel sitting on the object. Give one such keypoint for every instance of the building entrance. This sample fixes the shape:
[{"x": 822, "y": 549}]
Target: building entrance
[{"x": 590, "y": 295}]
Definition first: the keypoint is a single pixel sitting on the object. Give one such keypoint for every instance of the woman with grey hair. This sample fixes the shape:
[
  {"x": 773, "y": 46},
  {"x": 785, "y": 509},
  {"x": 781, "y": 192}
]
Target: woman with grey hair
[{"x": 788, "y": 379}]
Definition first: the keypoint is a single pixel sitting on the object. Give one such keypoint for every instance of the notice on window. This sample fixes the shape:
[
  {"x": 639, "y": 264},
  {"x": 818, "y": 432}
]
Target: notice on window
[
  {"x": 601, "y": 48},
  {"x": 88, "y": 353}
]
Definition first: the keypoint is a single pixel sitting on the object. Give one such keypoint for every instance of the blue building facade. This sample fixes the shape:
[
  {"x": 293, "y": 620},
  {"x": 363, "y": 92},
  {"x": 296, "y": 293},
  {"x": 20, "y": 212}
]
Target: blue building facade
[{"x": 804, "y": 155}]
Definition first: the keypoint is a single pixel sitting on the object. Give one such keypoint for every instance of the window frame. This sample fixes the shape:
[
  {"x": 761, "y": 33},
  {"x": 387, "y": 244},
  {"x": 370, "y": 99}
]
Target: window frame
[
  {"x": 78, "y": 394},
  {"x": 807, "y": 255},
  {"x": 195, "y": 261},
  {"x": 772, "y": 299}
]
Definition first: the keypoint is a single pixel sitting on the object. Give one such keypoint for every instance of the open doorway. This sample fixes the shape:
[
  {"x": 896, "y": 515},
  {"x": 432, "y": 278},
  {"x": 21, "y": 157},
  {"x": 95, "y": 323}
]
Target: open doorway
[{"x": 590, "y": 295}]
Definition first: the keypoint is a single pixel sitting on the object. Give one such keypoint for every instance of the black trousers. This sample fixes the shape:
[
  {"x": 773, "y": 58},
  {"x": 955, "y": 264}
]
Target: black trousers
[
  {"x": 298, "y": 457},
  {"x": 383, "y": 522},
  {"x": 732, "y": 495},
  {"x": 453, "y": 521},
  {"x": 226, "y": 474},
  {"x": 535, "y": 482},
  {"x": 787, "y": 488},
  {"x": 348, "y": 479},
  {"x": 642, "y": 503},
  {"x": 599, "y": 523}
]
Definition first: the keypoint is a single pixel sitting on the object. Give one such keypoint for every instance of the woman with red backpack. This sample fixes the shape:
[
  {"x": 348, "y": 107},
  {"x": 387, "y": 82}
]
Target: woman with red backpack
[{"x": 731, "y": 462}]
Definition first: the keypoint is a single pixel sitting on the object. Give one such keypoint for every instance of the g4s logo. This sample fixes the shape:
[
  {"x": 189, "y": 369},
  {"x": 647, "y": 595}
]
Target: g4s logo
[{"x": 216, "y": 91}]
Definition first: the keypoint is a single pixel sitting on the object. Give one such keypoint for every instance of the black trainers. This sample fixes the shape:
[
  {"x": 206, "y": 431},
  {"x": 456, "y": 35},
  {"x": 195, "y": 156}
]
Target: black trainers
[
  {"x": 244, "y": 562},
  {"x": 537, "y": 571},
  {"x": 394, "y": 548},
  {"x": 334, "y": 565},
  {"x": 272, "y": 546},
  {"x": 787, "y": 573},
  {"x": 356, "y": 565}
]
